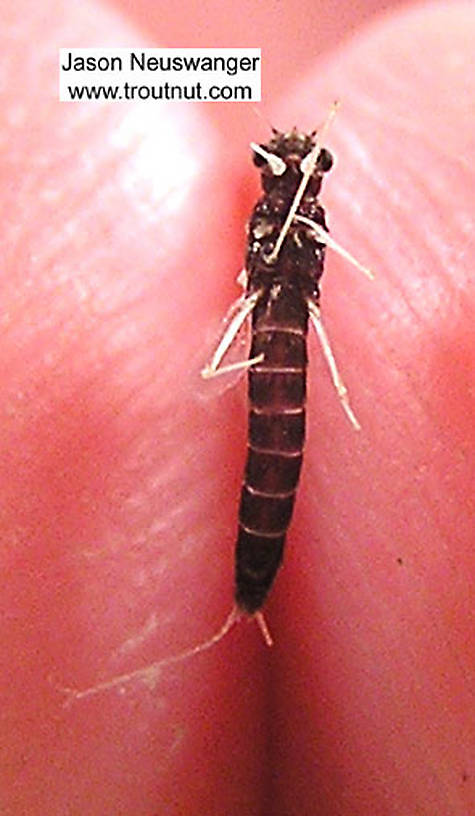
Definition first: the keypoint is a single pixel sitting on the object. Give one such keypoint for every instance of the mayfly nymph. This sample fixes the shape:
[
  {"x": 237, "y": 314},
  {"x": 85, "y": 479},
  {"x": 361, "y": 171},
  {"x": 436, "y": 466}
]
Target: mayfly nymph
[{"x": 287, "y": 239}]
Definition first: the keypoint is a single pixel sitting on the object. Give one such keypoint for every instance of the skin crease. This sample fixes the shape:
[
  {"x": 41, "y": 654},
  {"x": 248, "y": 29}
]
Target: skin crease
[{"x": 120, "y": 471}]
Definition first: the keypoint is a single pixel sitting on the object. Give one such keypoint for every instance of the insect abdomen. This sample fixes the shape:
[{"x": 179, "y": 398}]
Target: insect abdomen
[{"x": 276, "y": 437}]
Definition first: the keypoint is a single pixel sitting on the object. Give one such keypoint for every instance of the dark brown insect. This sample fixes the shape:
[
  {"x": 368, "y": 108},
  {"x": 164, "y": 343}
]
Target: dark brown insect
[
  {"x": 277, "y": 385},
  {"x": 284, "y": 263}
]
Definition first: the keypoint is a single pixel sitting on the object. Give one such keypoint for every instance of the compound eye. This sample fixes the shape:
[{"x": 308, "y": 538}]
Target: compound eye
[
  {"x": 263, "y": 156},
  {"x": 323, "y": 164},
  {"x": 258, "y": 160},
  {"x": 325, "y": 160}
]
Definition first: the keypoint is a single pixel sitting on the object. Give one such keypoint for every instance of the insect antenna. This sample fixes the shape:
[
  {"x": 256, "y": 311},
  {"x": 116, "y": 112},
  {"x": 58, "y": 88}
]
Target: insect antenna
[{"x": 271, "y": 127}]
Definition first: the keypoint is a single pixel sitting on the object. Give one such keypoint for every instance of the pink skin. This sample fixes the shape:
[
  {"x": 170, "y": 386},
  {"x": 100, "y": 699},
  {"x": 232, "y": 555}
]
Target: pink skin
[{"x": 122, "y": 233}]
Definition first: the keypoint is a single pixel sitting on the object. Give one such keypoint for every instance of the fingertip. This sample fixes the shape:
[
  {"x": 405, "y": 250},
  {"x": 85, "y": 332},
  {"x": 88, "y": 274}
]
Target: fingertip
[{"x": 382, "y": 517}]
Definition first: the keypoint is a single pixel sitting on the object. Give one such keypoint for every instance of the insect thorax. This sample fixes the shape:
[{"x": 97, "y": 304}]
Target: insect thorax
[{"x": 301, "y": 257}]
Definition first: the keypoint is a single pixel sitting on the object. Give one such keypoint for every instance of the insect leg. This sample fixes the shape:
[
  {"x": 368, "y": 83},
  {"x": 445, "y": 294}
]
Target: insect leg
[
  {"x": 324, "y": 238},
  {"x": 341, "y": 389},
  {"x": 242, "y": 308},
  {"x": 242, "y": 278}
]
